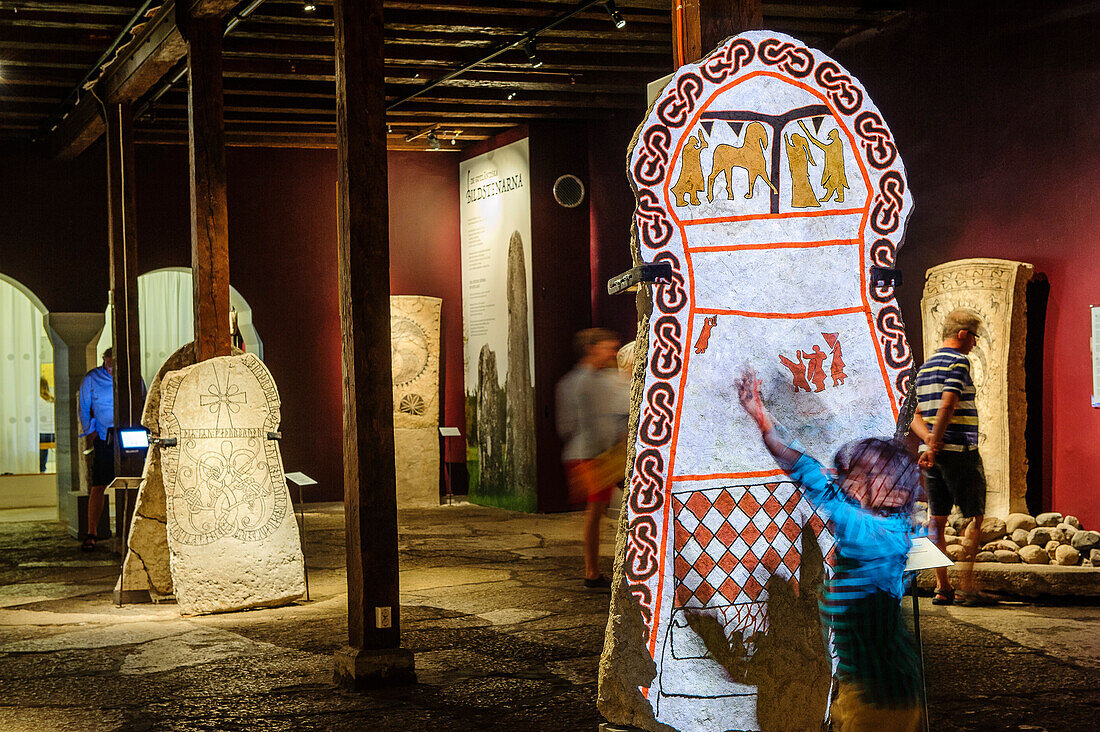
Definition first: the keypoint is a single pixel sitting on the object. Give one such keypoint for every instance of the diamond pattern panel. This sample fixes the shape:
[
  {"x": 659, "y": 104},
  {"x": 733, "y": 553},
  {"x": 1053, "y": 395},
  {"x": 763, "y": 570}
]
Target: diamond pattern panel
[{"x": 729, "y": 542}]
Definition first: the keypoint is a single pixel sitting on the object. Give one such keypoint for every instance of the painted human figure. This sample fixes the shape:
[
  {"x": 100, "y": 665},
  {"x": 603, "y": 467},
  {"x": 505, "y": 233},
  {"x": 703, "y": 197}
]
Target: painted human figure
[
  {"x": 816, "y": 373},
  {"x": 799, "y": 158},
  {"x": 798, "y": 371},
  {"x": 833, "y": 178},
  {"x": 704, "y": 337},
  {"x": 836, "y": 366}
]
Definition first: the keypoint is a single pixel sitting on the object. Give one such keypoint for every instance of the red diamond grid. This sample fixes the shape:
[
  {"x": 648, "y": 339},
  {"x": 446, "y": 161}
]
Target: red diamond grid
[{"x": 728, "y": 542}]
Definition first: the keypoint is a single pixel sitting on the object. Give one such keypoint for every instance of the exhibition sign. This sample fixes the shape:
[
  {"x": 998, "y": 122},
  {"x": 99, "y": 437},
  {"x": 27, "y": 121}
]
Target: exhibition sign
[
  {"x": 495, "y": 219},
  {"x": 770, "y": 183}
]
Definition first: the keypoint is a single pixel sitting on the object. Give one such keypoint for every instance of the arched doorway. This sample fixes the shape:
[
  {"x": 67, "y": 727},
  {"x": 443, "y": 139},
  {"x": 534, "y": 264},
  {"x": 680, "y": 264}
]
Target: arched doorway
[
  {"x": 166, "y": 318},
  {"x": 26, "y": 384}
]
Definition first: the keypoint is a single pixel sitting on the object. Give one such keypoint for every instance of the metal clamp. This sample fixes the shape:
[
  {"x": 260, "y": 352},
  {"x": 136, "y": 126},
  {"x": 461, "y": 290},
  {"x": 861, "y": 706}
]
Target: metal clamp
[{"x": 635, "y": 276}]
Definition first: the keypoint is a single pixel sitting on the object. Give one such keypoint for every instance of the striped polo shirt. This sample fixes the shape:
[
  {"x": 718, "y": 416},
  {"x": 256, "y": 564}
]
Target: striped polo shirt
[{"x": 948, "y": 370}]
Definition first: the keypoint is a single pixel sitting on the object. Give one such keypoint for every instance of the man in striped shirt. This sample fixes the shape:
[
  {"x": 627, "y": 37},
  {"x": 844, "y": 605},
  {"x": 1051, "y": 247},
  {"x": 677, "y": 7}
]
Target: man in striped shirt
[{"x": 947, "y": 422}]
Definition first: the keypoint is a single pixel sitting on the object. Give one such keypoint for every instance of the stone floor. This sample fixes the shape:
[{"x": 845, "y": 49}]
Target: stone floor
[{"x": 504, "y": 637}]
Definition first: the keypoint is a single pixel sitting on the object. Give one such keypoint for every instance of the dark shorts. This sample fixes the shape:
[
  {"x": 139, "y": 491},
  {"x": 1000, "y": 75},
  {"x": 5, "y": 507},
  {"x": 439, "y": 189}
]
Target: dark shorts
[
  {"x": 958, "y": 479},
  {"x": 103, "y": 462}
]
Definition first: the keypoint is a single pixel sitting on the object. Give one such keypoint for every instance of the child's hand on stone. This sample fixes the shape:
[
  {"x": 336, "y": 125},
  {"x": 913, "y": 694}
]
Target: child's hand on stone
[{"x": 748, "y": 393}]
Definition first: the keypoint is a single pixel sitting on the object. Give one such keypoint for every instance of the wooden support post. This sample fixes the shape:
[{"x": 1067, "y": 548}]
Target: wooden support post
[
  {"x": 122, "y": 236},
  {"x": 209, "y": 217},
  {"x": 374, "y": 656},
  {"x": 700, "y": 25}
]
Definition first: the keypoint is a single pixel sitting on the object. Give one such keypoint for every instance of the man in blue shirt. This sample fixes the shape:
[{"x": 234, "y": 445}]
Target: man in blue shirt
[
  {"x": 947, "y": 422},
  {"x": 97, "y": 418},
  {"x": 870, "y": 507}
]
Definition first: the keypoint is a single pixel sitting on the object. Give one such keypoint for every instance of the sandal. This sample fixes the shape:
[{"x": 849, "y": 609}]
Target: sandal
[
  {"x": 944, "y": 597},
  {"x": 89, "y": 543}
]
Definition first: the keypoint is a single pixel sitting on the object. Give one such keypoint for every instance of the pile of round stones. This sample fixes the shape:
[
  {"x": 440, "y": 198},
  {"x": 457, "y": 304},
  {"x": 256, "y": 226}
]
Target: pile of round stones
[{"x": 1048, "y": 538}]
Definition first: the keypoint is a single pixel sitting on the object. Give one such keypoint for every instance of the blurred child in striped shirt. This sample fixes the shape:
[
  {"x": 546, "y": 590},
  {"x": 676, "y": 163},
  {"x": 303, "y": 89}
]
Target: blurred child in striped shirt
[{"x": 870, "y": 504}]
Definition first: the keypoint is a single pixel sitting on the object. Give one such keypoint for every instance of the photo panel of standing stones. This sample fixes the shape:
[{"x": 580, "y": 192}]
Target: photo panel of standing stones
[
  {"x": 495, "y": 218},
  {"x": 769, "y": 182}
]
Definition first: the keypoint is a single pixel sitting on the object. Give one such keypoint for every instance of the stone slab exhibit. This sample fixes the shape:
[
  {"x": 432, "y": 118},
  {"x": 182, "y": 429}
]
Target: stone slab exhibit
[
  {"x": 232, "y": 536},
  {"x": 770, "y": 183},
  {"x": 996, "y": 289},
  {"x": 415, "y": 346}
]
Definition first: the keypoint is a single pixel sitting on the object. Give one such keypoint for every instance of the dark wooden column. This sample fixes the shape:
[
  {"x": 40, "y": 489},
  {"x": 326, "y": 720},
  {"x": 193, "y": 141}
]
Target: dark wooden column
[
  {"x": 209, "y": 217},
  {"x": 370, "y": 489},
  {"x": 122, "y": 237},
  {"x": 700, "y": 25}
]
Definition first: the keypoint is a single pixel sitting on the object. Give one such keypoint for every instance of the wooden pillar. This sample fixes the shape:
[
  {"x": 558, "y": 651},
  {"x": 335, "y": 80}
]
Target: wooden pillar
[
  {"x": 700, "y": 25},
  {"x": 374, "y": 656},
  {"x": 209, "y": 218},
  {"x": 122, "y": 238}
]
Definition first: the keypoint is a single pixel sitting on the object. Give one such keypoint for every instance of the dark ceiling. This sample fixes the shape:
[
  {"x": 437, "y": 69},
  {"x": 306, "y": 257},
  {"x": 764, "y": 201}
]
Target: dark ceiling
[{"x": 279, "y": 68}]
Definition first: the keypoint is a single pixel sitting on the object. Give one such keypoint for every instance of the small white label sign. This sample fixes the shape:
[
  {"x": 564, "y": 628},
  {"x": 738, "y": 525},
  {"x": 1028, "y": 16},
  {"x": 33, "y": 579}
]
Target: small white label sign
[
  {"x": 450, "y": 432},
  {"x": 926, "y": 555},
  {"x": 300, "y": 479}
]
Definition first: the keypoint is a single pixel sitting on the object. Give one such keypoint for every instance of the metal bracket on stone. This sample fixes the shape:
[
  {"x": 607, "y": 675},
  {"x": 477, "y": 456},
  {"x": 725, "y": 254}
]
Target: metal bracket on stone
[
  {"x": 163, "y": 441},
  {"x": 274, "y": 435},
  {"x": 885, "y": 277},
  {"x": 631, "y": 279}
]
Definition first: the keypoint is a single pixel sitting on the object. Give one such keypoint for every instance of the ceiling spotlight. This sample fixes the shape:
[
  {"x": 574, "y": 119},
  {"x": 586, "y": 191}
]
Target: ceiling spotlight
[
  {"x": 433, "y": 141},
  {"x": 616, "y": 17},
  {"x": 532, "y": 53},
  {"x": 454, "y": 137},
  {"x": 511, "y": 96},
  {"x": 309, "y": 8}
]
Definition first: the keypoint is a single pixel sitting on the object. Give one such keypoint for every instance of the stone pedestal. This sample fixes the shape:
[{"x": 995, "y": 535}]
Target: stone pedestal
[
  {"x": 359, "y": 669},
  {"x": 416, "y": 452},
  {"x": 414, "y": 337},
  {"x": 996, "y": 290},
  {"x": 74, "y": 337}
]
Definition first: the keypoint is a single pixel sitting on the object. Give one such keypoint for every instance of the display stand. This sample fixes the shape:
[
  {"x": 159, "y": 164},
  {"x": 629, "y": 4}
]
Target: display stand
[
  {"x": 923, "y": 555},
  {"x": 444, "y": 433},
  {"x": 300, "y": 480}
]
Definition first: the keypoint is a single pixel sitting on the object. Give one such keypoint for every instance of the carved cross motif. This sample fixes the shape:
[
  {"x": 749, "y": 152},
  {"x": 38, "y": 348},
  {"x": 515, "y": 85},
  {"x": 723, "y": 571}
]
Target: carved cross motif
[{"x": 230, "y": 398}]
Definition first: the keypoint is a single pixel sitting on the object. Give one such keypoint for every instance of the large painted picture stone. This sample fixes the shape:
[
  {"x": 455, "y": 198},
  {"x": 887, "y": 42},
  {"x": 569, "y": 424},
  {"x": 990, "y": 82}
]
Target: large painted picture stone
[
  {"x": 769, "y": 181},
  {"x": 232, "y": 534}
]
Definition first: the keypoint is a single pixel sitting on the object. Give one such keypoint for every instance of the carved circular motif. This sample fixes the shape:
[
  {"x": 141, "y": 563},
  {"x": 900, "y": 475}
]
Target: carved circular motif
[
  {"x": 412, "y": 404},
  {"x": 409, "y": 347}
]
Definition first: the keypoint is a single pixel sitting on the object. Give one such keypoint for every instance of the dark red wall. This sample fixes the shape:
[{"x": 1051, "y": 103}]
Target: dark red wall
[
  {"x": 282, "y": 230},
  {"x": 612, "y": 206},
  {"x": 560, "y": 276},
  {"x": 57, "y": 251},
  {"x": 996, "y": 123}
]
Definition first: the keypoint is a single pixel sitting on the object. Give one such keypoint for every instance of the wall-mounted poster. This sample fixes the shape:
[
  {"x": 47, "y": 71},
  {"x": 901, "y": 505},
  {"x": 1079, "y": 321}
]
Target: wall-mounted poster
[
  {"x": 495, "y": 217},
  {"x": 769, "y": 182}
]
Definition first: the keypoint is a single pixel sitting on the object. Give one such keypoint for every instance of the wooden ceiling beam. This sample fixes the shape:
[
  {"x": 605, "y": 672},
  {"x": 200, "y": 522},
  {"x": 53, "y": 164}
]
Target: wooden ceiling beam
[
  {"x": 62, "y": 7},
  {"x": 142, "y": 63},
  {"x": 76, "y": 24}
]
